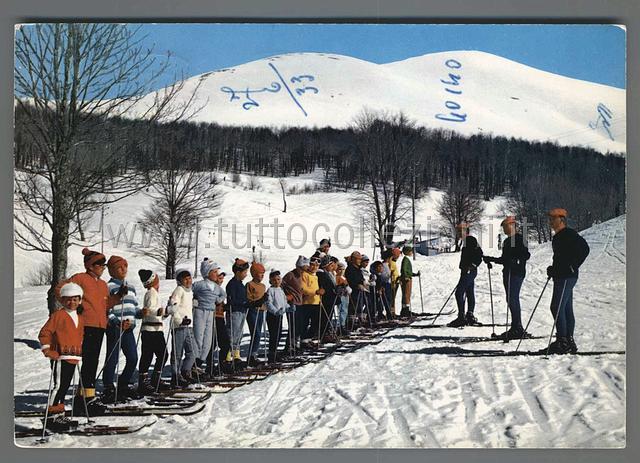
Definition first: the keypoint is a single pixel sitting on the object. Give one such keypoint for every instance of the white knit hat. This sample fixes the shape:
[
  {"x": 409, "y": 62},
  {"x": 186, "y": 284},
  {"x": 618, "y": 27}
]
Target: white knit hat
[{"x": 70, "y": 290}]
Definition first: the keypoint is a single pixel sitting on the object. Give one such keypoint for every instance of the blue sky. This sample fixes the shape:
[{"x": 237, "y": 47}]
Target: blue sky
[{"x": 589, "y": 52}]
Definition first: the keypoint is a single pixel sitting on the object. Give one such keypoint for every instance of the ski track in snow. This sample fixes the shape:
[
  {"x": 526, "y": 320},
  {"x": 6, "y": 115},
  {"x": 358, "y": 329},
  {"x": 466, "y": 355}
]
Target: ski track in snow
[{"x": 411, "y": 390}]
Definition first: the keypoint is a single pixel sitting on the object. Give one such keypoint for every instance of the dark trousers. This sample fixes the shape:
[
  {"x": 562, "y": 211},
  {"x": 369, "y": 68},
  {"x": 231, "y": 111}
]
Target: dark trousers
[
  {"x": 153, "y": 343},
  {"x": 562, "y": 300},
  {"x": 292, "y": 320},
  {"x": 326, "y": 315},
  {"x": 307, "y": 318},
  {"x": 384, "y": 301},
  {"x": 221, "y": 340},
  {"x": 356, "y": 302},
  {"x": 466, "y": 289},
  {"x": 91, "y": 345},
  {"x": 255, "y": 318},
  {"x": 128, "y": 347},
  {"x": 62, "y": 376},
  {"x": 512, "y": 286},
  {"x": 274, "y": 323}
]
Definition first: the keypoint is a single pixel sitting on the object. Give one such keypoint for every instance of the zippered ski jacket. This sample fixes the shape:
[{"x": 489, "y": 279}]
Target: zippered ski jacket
[
  {"x": 471, "y": 255},
  {"x": 514, "y": 255},
  {"x": 569, "y": 252}
]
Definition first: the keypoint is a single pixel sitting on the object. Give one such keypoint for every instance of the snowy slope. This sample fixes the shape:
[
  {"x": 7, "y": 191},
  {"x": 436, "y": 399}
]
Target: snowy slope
[
  {"x": 410, "y": 390},
  {"x": 486, "y": 93}
]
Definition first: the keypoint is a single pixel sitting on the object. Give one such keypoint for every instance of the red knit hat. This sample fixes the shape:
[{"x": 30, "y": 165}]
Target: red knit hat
[
  {"x": 256, "y": 267},
  {"x": 395, "y": 252},
  {"x": 114, "y": 262},
  {"x": 92, "y": 258}
]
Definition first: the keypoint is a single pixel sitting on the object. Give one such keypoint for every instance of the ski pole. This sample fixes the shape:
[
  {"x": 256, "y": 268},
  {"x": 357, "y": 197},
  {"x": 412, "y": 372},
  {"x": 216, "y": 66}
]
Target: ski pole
[
  {"x": 164, "y": 357},
  {"x": 493, "y": 322},
  {"x": 555, "y": 320},
  {"x": 46, "y": 412},
  {"x": 84, "y": 399},
  {"x": 253, "y": 337},
  {"x": 421, "y": 299},
  {"x": 506, "y": 337},
  {"x": 444, "y": 305},
  {"x": 118, "y": 347},
  {"x": 109, "y": 356},
  {"x": 534, "y": 311}
]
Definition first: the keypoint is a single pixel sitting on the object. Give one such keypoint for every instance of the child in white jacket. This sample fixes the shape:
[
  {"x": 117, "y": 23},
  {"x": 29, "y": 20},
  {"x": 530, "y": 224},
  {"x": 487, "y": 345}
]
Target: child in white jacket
[{"x": 181, "y": 309}]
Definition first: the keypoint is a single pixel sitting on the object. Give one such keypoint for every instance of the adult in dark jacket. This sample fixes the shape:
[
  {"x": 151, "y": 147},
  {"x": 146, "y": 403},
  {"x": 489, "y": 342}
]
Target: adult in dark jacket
[
  {"x": 513, "y": 260},
  {"x": 569, "y": 252},
  {"x": 355, "y": 278},
  {"x": 470, "y": 258}
]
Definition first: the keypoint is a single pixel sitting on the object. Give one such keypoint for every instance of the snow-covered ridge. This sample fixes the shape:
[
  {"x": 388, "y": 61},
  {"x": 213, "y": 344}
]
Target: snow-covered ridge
[{"x": 466, "y": 91}]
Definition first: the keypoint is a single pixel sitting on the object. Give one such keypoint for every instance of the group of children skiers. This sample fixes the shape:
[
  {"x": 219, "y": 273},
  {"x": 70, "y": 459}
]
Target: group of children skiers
[{"x": 321, "y": 298}]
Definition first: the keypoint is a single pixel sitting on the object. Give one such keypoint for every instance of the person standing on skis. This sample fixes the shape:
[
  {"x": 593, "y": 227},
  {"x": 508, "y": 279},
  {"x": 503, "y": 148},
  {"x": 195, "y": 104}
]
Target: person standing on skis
[
  {"x": 406, "y": 280},
  {"x": 569, "y": 252},
  {"x": 470, "y": 258},
  {"x": 514, "y": 260}
]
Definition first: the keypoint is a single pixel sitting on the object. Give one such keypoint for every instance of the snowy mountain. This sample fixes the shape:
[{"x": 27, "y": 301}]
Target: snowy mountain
[{"x": 466, "y": 91}]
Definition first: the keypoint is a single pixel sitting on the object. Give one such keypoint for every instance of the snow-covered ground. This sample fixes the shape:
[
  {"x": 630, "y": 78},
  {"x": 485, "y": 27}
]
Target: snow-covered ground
[
  {"x": 411, "y": 390},
  {"x": 462, "y": 90}
]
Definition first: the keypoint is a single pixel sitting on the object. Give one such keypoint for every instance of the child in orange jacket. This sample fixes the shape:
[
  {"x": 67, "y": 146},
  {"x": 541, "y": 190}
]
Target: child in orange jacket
[{"x": 61, "y": 340}]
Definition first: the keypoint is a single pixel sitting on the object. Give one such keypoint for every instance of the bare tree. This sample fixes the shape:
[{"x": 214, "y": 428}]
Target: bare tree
[
  {"x": 180, "y": 198},
  {"x": 70, "y": 80},
  {"x": 385, "y": 149},
  {"x": 459, "y": 206},
  {"x": 283, "y": 186}
]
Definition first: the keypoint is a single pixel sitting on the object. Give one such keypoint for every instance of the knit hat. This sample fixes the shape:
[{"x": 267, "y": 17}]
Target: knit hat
[
  {"x": 407, "y": 248},
  {"x": 302, "y": 262},
  {"x": 342, "y": 265},
  {"x": 239, "y": 265},
  {"x": 147, "y": 277},
  {"x": 274, "y": 273},
  {"x": 333, "y": 259},
  {"x": 558, "y": 212},
  {"x": 70, "y": 290},
  {"x": 373, "y": 266},
  {"x": 365, "y": 258},
  {"x": 508, "y": 219},
  {"x": 355, "y": 254},
  {"x": 324, "y": 241},
  {"x": 326, "y": 260},
  {"x": 395, "y": 252},
  {"x": 180, "y": 274},
  {"x": 114, "y": 262},
  {"x": 256, "y": 268},
  {"x": 93, "y": 258},
  {"x": 207, "y": 266}
]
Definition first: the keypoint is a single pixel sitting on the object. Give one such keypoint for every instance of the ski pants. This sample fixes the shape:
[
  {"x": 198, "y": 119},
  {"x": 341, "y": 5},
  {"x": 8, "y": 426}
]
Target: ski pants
[
  {"x": 62, "y": 376},
  {"x": 343, "y": 309},
  {"x": 129, "y": 349},
  {"x": 562, "y": 305},
  {"x": 355, "y": 302},
  {"x": 326, "y": 314},
  {"x": 274, "y": 323},
  {"x": 203, "y": 331},
  {"x": 91, "y": 345},
  {"x": 512, "y": 285},
  {"x": 384, "y": 301},
  {"x": 222, "y": 341},
  {"x": 235, "y": 323},
  {"x": 466, "y": 289},
  {"x": 255, "y": 319},
  {"x": 153, "y": 343},
  {"x": 292, "y": 321},
  {"x": 406, "y": 286},
  {"x": 183, "y": 343}
]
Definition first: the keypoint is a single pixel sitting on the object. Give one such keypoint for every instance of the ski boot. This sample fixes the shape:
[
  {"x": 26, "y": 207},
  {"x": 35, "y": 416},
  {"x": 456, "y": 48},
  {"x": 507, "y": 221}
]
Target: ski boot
[
  {"x": 560, "y": 346},
  {"x": 94, "y": 407},
  {"x": 145, "y": 386},
  {"x": 178, "y": 382},
  {"x": 516, "y": 332},
  {"x": 471, "y": 320},
  {"x": 127, "y": 392},
  {"x": 57, "y": 422},
  {"x": 572, "y": 345},
  {"x": 158, "y": 384},
  {"x": 457, "y": 323},
  {"x": 109, "y": 394}
]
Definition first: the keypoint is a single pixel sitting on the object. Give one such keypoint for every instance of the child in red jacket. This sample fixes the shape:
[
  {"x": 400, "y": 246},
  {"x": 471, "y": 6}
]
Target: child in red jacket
[{"x": 61, "y": 340}]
